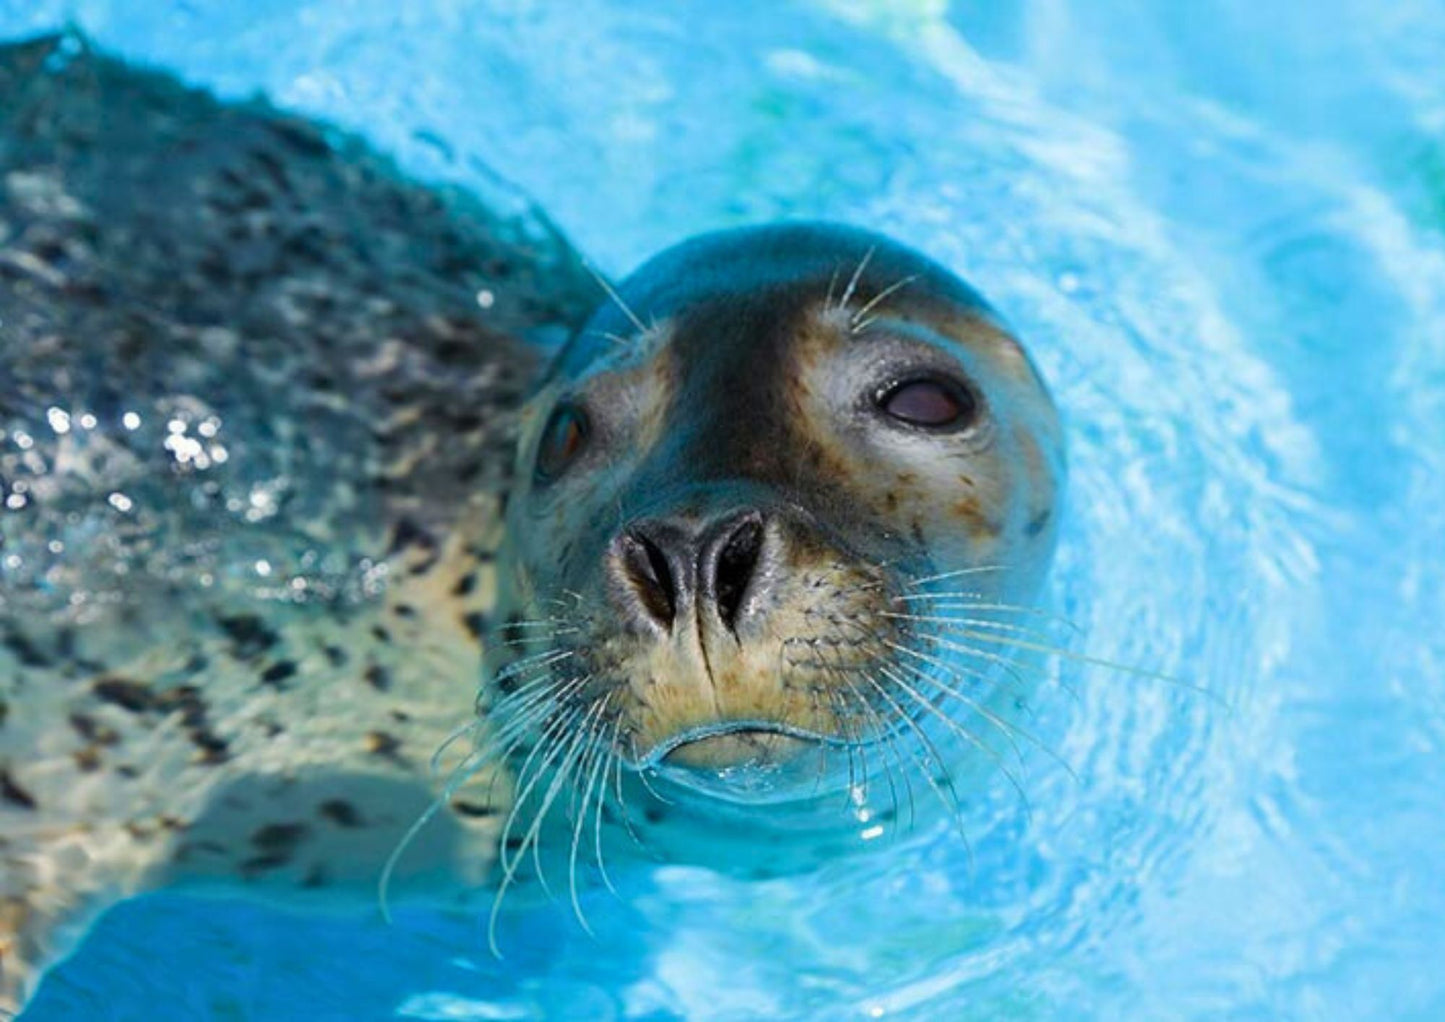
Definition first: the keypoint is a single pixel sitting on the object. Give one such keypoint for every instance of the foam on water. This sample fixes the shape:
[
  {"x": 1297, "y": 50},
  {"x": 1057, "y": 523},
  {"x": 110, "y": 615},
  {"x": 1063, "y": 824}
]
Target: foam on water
[{"x": 1220, "y": 234}]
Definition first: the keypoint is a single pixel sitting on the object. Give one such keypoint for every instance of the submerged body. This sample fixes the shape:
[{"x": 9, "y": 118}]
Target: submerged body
[{"x": 256, "y": 397}]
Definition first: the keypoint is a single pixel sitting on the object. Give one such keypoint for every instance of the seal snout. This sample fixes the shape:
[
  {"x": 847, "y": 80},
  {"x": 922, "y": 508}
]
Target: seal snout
[{"x": 664, "y": 568}]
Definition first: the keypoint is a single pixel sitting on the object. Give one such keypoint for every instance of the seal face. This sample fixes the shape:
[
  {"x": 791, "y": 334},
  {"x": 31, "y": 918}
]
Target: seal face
[{"x": 775, "y": 501}]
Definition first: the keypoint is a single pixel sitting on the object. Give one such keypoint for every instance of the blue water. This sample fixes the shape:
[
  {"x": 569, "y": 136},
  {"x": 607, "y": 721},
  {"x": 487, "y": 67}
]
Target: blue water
[{"x": 1220, "y": 226}]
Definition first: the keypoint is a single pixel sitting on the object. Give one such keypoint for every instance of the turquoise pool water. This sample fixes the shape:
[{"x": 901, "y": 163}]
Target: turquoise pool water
[{"x": 1221, "y": 229}]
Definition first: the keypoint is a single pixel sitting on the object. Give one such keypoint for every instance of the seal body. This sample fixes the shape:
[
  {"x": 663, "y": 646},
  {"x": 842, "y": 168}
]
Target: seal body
[
  {"x": 779, "y": 503},
  {"x": 256, "y": 395}
]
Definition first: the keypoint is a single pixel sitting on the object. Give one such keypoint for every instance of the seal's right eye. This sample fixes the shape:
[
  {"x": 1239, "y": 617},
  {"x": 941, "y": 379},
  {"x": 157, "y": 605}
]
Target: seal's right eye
[{"x": 562, "y": 440}]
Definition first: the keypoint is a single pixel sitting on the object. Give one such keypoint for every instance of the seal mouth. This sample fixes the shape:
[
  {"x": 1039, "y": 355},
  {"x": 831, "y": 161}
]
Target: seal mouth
[
  {"x": 741, "y": 760},
  {"x": 732, "y": 743}
]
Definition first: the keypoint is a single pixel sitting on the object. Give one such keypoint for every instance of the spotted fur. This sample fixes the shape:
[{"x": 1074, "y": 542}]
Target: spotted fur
[{"x": 255, "y": 416}]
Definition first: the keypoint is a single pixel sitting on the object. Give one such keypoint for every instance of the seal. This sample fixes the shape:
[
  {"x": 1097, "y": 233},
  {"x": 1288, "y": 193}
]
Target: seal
[
  {"x": 774, "y": 512},
  {"x": 785, "y": 499}
]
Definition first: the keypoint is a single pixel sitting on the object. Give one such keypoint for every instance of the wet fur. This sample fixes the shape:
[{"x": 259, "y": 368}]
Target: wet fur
[{"x": 168, "y": 715}]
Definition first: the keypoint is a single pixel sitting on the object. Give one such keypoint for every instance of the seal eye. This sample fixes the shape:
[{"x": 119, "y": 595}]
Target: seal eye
[
  {"x": 930, "y": 403},
  {"x": 562, "y": 440}
]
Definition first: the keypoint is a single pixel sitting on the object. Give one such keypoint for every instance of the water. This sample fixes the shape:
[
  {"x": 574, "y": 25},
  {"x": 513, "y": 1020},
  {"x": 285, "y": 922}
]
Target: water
[{"x": 1219, "y": 228}]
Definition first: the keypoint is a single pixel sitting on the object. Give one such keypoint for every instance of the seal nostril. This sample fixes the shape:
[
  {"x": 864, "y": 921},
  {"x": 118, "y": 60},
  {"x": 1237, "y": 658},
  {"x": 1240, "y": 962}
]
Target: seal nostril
[
  {"x": 651, "y": 578},
  {"x": 733, "y": 570}
]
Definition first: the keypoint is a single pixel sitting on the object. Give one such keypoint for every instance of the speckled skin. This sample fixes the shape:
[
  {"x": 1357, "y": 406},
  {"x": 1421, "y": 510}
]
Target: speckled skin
[
  {"x": 737, "y": 376},
  {"x": 255, "y": 425}
]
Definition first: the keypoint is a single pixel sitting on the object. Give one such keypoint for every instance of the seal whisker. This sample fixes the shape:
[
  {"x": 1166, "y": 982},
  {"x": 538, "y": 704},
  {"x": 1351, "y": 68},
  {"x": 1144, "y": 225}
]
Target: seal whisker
[
  {"x": 434, "y": 764},
  {"x": 961, "y": 595},
  {"x": 551, "y": 738},
  {"x": 814, "y": 644},
  {"x": 515, "y": 685},
  {"x": 588, "y": 766},
  {"x": 538, "y": 622},
  {"x": 536, "y": 700},
  {"x": 517, "y": 678},
  {"x": 510, "y": 867},
  {"x": 956, "y": 573},
  {"x": 544, "y": 659},
  {"x": 857, "y": 276},
  {"x": 616, "y": 298},
  {"x": 604, "y": 763},
  {"x": 642, "y": 773},
  {"x": 857, "y": 322},
  {"x": 890, "y": 739},
  {"x": 886, "y": 735},
  {"x": 961, "y": 731},
  {"x": 538, "y": 684},
  {"x": 959, "y": 672},
  {"x": 930, "y": 757},
  {"x": 974, "y": 601},
  {"x": 854, "y": 735},
  {"x": 1001, "y": 626},
  {"x": 524, "y": 641},
  {"x": 1083, "y": 658},
  {"x": 578, "y": 748},
  {"x": 1008, "y": 665},
  {"x": 468, "y": 768},
  {"x": 1006, "y": 729},
  {"x": 527, "y": 637},
  {"x": 621, "y": 798},
  {"x": 822, "y": 773},
  {"x": 464, "y": 771},
  {"x": 832, "y": 285},
  {"x": 551, "y": 730}
]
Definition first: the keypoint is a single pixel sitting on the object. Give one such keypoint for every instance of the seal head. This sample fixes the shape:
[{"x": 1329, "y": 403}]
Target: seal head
[{"x": 748, "y": 493}]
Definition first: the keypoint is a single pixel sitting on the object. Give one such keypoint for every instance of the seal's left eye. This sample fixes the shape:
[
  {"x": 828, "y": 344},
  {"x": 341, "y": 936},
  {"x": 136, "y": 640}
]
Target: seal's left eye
[
  {"x": 931, "y": 403},
  {"x": 562, "y": 440}
]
